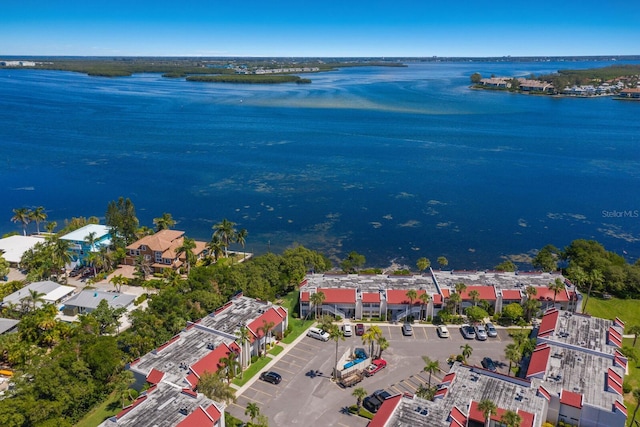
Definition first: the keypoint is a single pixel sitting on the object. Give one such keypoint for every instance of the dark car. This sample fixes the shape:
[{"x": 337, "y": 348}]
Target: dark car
[
  {"x": 374, "y": 402},
  {"x": 271, "y": 377},
  {"x": 488, "y": 363},
  {"x": 359, "y": 329}
]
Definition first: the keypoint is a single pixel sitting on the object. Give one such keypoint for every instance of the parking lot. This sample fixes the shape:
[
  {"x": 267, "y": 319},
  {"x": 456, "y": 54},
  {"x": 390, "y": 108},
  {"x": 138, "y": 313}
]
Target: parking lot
[{"x": 307, "y": 395}]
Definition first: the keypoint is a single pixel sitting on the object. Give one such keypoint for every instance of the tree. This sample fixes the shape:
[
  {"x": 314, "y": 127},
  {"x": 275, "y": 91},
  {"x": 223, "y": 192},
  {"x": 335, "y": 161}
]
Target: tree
[
  {"x": 253, "y": 411},
  {"x": 32, "y": 299},
  {"x": 456, "y": 300},
  {"x": 121, "y": 218},
  {"x": 353, "y": 262},
  {"x": 513, "y": 354},
  {"x": 241, "y": 238},
  {"x": 475, "y": 78},
  {"x": 243, "y": 338},
  {"x": 556, "y": 286},
  {"x": 636, "y": 396},
  {"x": 513, "y": 311},
  {"x": 359, "y": 393},
  {"x": 108, "y": 317},
  {"x": 488, "y": 408},
  {"x": 510, "y": 419},
  {"x": 118, "y": 281},
  {"x": 383, "y": 344},
  {"x": 213, "y": 386},
  {"x": 22, "y": 215},
  {"x": 476, "y": 314},
  {"x": 186, "y": 248},
  {"x": 371, "y": 335},
  {"x": 317, "y": 299},
  {"x": 142, "y": 267},
  {"x": 4, "y": 266},
  {"x": 431, "y": 366},
  {"x": 336, "y": 335},
  {"x": 229, "y": 365},
  {"x": 460, "y": 288},
  {"x": 635, "y": 331},
  {"x": 466, "y": 352},
  {"x": 595, "y": 278},
  {"x": 424, "y": 299},
  {"x": 507, "y": 265},
  {"x": 38, "y": 215},
  {"x": 412, "y": 295},
  {"x": 423, "y": 263},
  {"x": 546, "y": 259},
  {"x": 165, "y": 222},
  {"x": 443, "y": 261},
  {"x": 226, "y": 231},
  {"x": 474, "y": 296},
  {"x": 216, "y": 247}
]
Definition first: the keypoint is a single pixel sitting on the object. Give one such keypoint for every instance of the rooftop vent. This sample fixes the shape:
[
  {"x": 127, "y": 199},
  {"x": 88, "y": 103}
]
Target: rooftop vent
[{"x": 183, "y": 410}]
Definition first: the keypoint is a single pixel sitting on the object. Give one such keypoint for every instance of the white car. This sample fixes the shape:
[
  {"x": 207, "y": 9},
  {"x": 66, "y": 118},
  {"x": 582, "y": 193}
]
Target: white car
[
  {"x": 442, "y": 331},
  {"x": 347, "y": 331},
  {"x": 491, "y": 330}
]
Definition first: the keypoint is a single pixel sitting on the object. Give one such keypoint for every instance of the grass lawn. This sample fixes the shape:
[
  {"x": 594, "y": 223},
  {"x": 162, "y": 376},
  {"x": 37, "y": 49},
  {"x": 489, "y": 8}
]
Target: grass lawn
[
  {"x": 625, "y": 309},
  {"x": 252, "y": 370},
  {"x": 298, "y": 326},
  {"x": 110, "y": 407},
  {"x": 632, "y": 379},
  {"x": 276, "y": 350}
]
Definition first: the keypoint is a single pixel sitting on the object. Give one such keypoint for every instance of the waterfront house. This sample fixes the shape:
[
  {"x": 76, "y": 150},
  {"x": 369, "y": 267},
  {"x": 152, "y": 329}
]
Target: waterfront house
[
  {"x": 87, "y": 239},
  {"x": 161, "y": 250}
]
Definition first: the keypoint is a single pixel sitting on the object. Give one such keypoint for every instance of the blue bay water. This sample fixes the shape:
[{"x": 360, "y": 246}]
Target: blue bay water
[{"x": 394, "y": 163}]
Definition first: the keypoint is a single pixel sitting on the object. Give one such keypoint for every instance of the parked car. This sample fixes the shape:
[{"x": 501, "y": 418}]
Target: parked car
[
  {"x": 488, "y": 363},
  {"x": 442, "y": 331},
  {"x": 376, "y": 365},
  {"x": 271, "y": 377},
  {"x": 374, "y": 402},
  {"x": 359, "y": 329},
  {"x": 318, "y": 334},
  {"x": 468, "y": 332},
  {"x": 407, "y": 329},
  {"x": 346, "y": 330},
  {"x": 481, "y": 333},
  {"x": 491, "y": 330}
]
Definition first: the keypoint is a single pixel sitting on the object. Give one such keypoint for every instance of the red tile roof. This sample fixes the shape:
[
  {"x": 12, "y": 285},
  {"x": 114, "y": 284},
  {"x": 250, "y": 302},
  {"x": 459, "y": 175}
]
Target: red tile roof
[
  {"x": 385, "y": 412},
  {"x": 549, "y": 321},
  {"x": 441, "y": 393},
  {"x": 211, "y": 362},
  {"x": 475, "y": 414},
  {"x": 155, "y": 376},
  {"x": 511, "y": 295},
  {"x": 338, "y": 296},
  {"x": 135, "y": 403},
  {"x": 486, "y": 293},
  {"x": 437, "y": 299},
  {"x": 620, "y": 360},
  {"x": 544, "y": 393},
  {"x": 527, "y": 418},
  {"x": 304, "y": 296},
  {"x": 198, "y": 418},
  {"x": 371, "y": 297},
  {"x": 614, "y": 337},
  {"x": 617, "y": 405},
  {"x": 446, "y": 293},
  {"x": 270, "y": 316},
  {"x": 543, "y": 293},
  {"x": 570, "y": 398},
  {"x": 448, "y": 379},
  {"x": 399, "y": 296},
  {"x": 618, "y": 322},
  {"x": 539, "y": 361}
]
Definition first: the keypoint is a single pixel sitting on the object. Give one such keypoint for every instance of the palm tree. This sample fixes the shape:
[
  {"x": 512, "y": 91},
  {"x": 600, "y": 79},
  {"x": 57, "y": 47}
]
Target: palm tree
[
  {"x": 216, "y": 247},
  {"x": 187, "y": 247},
  {"x": 424, "y": 299},
  {"x": 229, "y": 364},
  {"x": 241, "y": 238},
  {"x": 213, "y": 386},
  {"x": 335, "y": 334},
  {"x": 95, "y": 261},
  {"x": 117, "y": 281},
  {"x": 226, "y": 232},
  {"x": 513, "y": 354},
  {"x": 383, "y": 344},
  {"x": 22, "y": 215},
  {"x": 61, "y": 254},
  {"x": 412, "y": 295},
  {"x": 142, "y": 267},
  {"x": 317, "y": 298},
  {"x": 423, "y": 263},
  {"x": 431, "y": 366},
  {"x": 359, "y": 393},
  {"x": 510, "y": 419},
  {"x": 475, "y": 297},
  {"x": 165, "y": 222},
  {"x": 488, "y": 408},
  {"x": 443, "y": 261},
  {"x": 252, "y": 411},
  {"x": 466, "y": 352},
  {"x": 595, "y": 278},
  {"x": 636, "y": 396},
  {"x": 376, "y": 335},
  {"x": 244, "y": 338},
  {"x": 635, "y": 331},
  {"x": 38, "y": 215},
  {"x": 51, "y": 226},
  {"x": 456, "y": 300},
  {"x": 460, "y": 288},
  {"x": 556, "y": 287},
  {"x": 32, "y": 299},
  {"x": 90, "y": 240}
]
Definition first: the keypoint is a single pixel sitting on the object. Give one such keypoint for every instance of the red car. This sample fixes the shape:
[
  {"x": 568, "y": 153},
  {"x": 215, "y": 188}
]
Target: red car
[
  {"x": 359, "y": 329},
  {"x": 376, "y": 365}
]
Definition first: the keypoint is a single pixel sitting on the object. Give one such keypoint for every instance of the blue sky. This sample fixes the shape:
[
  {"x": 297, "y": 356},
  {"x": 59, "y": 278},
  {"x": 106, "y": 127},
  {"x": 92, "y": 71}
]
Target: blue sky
[{"x": 319, "y": 28}]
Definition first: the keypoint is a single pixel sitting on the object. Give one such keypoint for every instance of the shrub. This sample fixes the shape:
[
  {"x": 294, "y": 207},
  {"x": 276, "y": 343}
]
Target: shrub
[
  {"x": 626, "y": 387},
  {"x": 366, "y": 414},
  {"x": 254, "y": 359}
]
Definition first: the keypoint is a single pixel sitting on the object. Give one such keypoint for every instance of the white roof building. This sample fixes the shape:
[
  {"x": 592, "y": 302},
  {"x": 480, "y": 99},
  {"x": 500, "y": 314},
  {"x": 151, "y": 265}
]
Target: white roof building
[
  {"x": 13, "y": 247},
  {"x": 53, "y": 293}
]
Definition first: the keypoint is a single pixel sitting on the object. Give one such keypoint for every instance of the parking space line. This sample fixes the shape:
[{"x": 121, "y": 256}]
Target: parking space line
[
  {"x": 407, "y": 384},
  {"x": 260, "y": 391},
  {"x": 253, "y": 400},
  {"x": 280, "y": 368},
  {"x": 297, "y": 357},
  {"x": 412, "y": 384},
  {"x": 425, "y": 333},
  {"x": 396, "y": 389}
]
